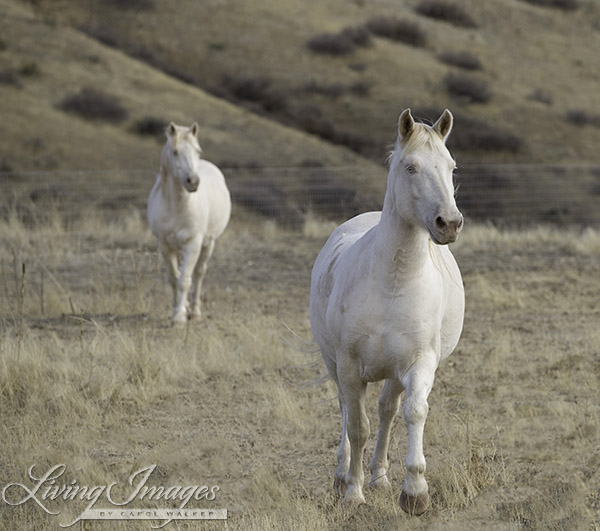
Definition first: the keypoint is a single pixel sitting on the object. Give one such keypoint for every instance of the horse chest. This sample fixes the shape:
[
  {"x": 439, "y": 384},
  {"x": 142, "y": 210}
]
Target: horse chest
[{"x": 388, "y": 333}]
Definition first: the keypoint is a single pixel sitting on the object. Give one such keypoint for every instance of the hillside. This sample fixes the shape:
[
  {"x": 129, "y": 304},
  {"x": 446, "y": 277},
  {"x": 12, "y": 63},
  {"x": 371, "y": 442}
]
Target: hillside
[
  {"x": 45, "y": 62},
  {"x": 534, "y": 68}
]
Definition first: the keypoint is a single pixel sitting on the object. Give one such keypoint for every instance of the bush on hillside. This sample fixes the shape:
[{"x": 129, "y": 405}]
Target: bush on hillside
[
  {"x": 133, "y": 5},
  {"x": 255, "y": 89},
  {"x": 447, "y": 12},
  {"x": 360, "y": 88},
  {"x": 399, "y": 30},
  {"x": 465, "y": 60},
  {"x": 93, "y": 104},
  {"x": 469, "y": 88},
  {"x": 582, "y": 117},
  {"x": 566, "y": 5},
  {"x": 30, "y": 69},
  {"x": 341, "y": 43},
  {"x": 310, "y": 118},
  {"x": 150, "y": 126},
  {"x": 10, "y": 77},
  {"x": 359, "y": 35},
  {"x": 331, "y": 90},
  {"x": 331, "y": 44},
  {"x": 542, "y": 96},
  {"x": 335, "y": 90},
  {"x": 471, "y": 134}
]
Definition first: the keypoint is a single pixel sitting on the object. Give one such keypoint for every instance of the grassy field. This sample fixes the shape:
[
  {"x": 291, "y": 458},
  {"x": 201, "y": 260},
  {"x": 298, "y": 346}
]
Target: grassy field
[{"x": 92, "y": 376}]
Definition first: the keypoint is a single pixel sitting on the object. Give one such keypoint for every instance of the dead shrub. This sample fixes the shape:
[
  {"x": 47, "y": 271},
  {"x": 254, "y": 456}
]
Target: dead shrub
[
  {"x": 257, "y": 90},
  {"x": 472, "y": 134},
  {"x": 133, "y": 5},
  {"x": 468, "y": 88},
  {"x": 465, "y": 60},
  {"x": 331, "y": 44},
  {"x": 10, "y": 77},
  {"x": 582, "y": 118},
  {"x": 396, "y": 29},
  {"x": 566, "y": 5},
  {"x": 150, "y": 126},
  {"x": 341, "y": 43},
  {"x": 93, "y": 104},
  {"x": 447, "y": 12}
]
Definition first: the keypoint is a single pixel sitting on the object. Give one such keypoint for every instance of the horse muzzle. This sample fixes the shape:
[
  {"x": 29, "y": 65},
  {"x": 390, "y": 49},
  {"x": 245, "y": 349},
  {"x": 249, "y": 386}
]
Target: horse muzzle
[
  {"x": 192, "y": 183},
  {"x": 446, "y": 228}
]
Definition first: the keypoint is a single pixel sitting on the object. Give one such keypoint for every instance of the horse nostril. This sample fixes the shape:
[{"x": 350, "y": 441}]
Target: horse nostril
[
  {"x": 440, "y": 223},
  {"x": 460, "y": 224}
]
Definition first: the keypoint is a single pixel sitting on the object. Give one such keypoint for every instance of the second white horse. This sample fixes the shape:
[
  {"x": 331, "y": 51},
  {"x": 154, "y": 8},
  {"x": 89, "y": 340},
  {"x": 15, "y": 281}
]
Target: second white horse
[{"x": 188, "y": 209}]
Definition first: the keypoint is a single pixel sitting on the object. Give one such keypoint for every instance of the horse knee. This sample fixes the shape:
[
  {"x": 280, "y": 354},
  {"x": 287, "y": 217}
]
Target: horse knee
[
  {"x": 184, "y": 283},
  {"x": 415, "y": 410}
]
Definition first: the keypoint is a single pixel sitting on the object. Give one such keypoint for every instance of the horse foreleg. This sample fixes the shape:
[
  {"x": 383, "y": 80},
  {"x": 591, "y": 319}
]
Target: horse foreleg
[
  {"x": 357, "y": 426},
  {"x": 170, "y": 259},
  {"x": 184, "y": 283},
  {"x": 207, "y": 250},
  {"x": 389, "y": 403},
  {"x": 418, "y": 382}
]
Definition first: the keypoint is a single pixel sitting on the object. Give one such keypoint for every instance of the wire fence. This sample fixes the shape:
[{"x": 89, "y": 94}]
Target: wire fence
[{"x": 503, "y": 194}]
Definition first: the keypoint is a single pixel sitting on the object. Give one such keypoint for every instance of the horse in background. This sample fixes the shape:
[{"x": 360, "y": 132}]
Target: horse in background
[
  {"x": 188, "y": 209},
  {"x": 387, "y": 303}
]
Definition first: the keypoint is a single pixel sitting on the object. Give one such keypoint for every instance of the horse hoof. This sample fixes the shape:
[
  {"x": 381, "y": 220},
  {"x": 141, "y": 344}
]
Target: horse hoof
[
  {"x": 178, "y": 324},
  {"x": 340, "y": 487},
  {"x": 353, "y": 498},
  {"x": 414, "y": 505},
  {"x": 380, "y": 483},
  {"x": 196, "y": 317}
]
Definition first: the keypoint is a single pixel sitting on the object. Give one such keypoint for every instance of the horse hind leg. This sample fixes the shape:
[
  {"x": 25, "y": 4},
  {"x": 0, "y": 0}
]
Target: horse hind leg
[
  {"x": 353, "y": 391},
  {"x": 389, "y": 403},
  {"x": 343, "y": 455},
  {"x": 199, "y": 273}
]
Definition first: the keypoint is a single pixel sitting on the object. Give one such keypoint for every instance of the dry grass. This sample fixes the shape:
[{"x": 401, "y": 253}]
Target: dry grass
[{"x": 98, "y": 381}]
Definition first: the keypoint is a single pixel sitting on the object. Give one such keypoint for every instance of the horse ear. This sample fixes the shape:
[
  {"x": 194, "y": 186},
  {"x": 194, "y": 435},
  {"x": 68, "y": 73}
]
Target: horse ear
[
  {"x": 444, "y": 124},
  {"x": 195, "y": 129},
  {"x": 171, "y": 130},
  {"x": 406, "y": 124}
]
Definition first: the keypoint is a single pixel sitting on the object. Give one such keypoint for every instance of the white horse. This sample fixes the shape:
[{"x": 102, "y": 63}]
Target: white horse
[
  {"x": 188, "y": 209},
  {"x": 387, "y": 304}
]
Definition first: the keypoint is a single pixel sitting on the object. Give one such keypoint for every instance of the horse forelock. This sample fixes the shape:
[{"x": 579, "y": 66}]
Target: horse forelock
[
  {"x": 423, "y": 137},
  {"x": 182, "y": 135}
]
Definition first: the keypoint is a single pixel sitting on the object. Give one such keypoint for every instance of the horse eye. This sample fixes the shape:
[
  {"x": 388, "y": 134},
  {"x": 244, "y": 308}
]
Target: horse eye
[
  {"x": 175, "y": 152},
  {"x": 410, "y": 169}
]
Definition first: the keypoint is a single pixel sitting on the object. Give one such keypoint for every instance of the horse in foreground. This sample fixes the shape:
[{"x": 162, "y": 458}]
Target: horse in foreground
[
  {"x": 188, "y": 209},
  {"x": 387, "y": 303}
]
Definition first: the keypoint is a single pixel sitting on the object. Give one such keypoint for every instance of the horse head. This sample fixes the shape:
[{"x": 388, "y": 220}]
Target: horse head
[
  {"x": 420, "y": 178},
  {"x": 181, "y": 154}
]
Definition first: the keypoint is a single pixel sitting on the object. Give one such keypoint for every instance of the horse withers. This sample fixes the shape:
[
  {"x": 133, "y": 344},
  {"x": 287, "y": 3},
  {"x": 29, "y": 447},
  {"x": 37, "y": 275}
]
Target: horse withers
[
  {"x": 188, "y": 209},
  {"x": 387, "y": 303}
]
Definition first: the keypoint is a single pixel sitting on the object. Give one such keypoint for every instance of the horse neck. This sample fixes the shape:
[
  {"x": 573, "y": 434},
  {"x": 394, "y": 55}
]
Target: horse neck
[
  {"x": 400, "y": 246},
  {"x": 172, "y": 190}
]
